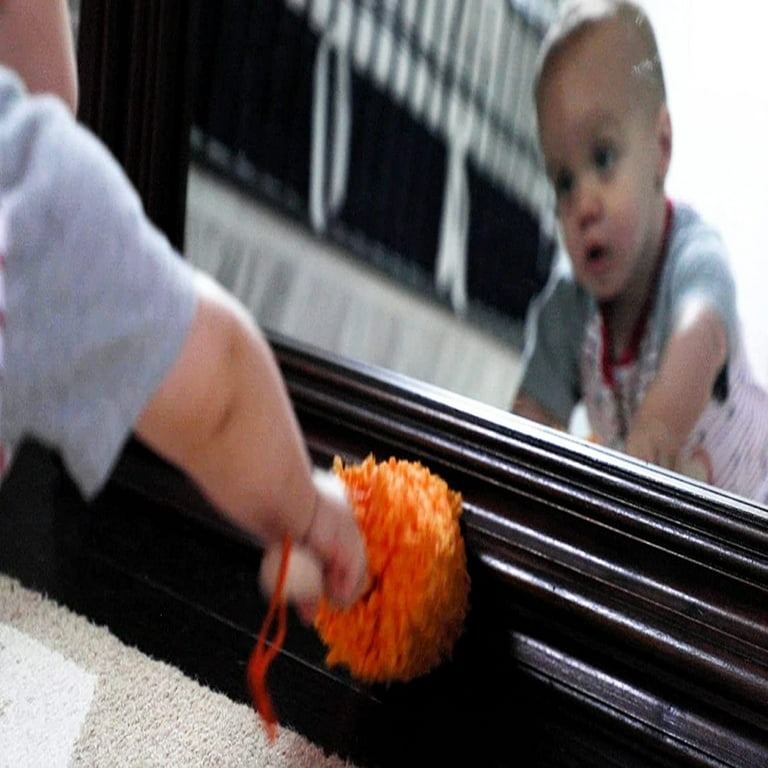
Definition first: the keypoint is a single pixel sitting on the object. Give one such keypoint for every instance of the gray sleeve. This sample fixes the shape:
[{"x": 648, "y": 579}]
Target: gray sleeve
[
  {"x": 700, "y": 270},
  {"x": 551, "y": 359},
  {"x": 98, "y": 303}
]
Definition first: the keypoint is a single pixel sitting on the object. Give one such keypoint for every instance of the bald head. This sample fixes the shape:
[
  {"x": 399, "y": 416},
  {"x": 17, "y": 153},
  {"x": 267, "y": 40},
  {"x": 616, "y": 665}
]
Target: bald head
[{"x": 636, "y": 60}]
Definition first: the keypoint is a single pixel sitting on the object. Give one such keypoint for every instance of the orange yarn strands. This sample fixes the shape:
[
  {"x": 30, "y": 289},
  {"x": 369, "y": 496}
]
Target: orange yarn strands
[
  {"x": 413, "y": 611},
  {"x": 262, "y": 656}
]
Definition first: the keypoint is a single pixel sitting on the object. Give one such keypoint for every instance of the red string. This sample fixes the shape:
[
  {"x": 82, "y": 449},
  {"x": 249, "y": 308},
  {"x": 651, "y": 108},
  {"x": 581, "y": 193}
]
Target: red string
[{"x": 262, "y": 655}]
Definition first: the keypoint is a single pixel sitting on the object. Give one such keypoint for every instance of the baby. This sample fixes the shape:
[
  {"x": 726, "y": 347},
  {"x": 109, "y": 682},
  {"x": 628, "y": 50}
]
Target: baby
[
  {"x": 106, "y": 331},
  {"x": 643, "y": 328}
]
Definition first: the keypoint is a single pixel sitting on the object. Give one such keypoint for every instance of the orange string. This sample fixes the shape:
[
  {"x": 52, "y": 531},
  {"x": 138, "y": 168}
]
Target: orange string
[{"x": 262, "y": 656}]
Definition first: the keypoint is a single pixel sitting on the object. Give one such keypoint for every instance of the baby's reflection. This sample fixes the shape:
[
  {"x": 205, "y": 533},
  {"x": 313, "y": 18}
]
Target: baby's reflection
[{"x": 643, "y": 326}]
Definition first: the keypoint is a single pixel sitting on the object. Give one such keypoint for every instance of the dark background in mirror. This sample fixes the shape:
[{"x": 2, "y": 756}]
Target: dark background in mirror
[{"x": 398, "y": 139}]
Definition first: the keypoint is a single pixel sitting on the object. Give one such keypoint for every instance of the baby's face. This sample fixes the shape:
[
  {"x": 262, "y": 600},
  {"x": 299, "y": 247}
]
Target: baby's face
[{"x": 606, "y": 160}]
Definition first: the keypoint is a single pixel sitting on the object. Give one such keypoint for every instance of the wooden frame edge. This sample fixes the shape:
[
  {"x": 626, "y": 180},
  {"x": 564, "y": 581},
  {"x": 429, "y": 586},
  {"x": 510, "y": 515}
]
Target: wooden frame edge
[{"x": 636, "y": 593}]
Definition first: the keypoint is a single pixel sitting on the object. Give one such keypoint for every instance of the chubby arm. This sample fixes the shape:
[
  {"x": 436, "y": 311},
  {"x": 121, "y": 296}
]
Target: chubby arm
[
  {"x": 695, "y": 354},
  {"x": 223, "y": 415},
  {"x": 550, "y": 385},
  {"x": 36, "y": 41},
  {"x": 147, "y": 344}
]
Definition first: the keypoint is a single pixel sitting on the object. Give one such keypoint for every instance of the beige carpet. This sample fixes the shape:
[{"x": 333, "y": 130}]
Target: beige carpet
[{"x": 71, "y": 694}]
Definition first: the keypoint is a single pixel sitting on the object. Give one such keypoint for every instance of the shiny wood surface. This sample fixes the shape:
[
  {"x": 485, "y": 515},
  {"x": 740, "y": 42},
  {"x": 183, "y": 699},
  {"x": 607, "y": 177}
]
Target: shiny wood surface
[{"x": 618, "y": 615}]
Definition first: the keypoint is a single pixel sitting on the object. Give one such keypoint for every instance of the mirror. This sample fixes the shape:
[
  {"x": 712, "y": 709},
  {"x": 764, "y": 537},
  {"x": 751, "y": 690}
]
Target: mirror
[
  {"x": 381, "y": 120},
  {"x": 279, "y": 223}
]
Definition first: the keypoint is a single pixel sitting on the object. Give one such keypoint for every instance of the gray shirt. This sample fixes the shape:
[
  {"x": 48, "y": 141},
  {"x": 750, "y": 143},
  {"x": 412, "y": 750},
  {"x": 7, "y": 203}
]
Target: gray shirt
[
  {"x": 728, "y": 446},
  {"x": 97, "y": 303},
  {"x": 695, "y": 264}
]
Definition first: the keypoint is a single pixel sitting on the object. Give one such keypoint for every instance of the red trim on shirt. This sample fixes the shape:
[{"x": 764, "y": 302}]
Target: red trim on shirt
[{"x": 629, "y": 355}]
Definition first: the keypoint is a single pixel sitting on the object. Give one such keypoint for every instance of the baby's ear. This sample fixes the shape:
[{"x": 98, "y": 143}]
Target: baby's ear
[{"x": 664, "y": 142}]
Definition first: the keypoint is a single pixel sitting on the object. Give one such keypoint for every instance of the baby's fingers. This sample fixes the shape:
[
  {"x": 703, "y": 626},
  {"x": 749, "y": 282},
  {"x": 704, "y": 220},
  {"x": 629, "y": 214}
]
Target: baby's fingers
[
  {"x": 336, "y": 538},
  {"x": 303, "y": 580}
]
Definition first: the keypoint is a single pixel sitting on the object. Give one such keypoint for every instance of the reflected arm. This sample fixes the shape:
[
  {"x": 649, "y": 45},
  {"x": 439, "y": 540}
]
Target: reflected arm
[
  {"x": 695, "y": 354},
  {"x": 529, "y": 408}
]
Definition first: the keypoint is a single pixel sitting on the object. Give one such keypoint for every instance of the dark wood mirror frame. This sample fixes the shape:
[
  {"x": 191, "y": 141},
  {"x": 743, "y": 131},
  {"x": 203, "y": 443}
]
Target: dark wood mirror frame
[{"x": 619, "y": 614}]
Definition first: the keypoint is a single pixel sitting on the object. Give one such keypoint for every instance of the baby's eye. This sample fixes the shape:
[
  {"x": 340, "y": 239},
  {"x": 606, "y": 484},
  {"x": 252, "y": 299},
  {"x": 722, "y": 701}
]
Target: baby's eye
[{"x": 604, "y": 156}]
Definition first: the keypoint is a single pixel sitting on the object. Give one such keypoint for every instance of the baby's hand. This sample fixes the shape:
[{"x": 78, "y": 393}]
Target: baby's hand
[
  {"x": 303, "y": 584},
  {"x": 334, "y": 536},
  {"x": 331, "y": 560},
  {"x": 655, "y": 442}
]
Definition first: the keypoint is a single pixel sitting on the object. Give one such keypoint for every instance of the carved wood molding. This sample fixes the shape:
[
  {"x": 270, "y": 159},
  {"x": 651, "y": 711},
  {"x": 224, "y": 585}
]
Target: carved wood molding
[{"x": 637, "y": 596}]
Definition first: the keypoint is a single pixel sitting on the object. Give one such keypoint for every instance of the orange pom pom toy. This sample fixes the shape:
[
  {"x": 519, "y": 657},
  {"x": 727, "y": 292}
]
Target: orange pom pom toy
[
  {"x": 410, "y": 616},
  {"x": 412, "y": 612}
]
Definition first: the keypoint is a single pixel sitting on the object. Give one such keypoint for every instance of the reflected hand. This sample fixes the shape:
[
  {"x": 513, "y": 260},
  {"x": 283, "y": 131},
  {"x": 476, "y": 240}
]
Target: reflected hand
[{"x": 654, "y": 442}]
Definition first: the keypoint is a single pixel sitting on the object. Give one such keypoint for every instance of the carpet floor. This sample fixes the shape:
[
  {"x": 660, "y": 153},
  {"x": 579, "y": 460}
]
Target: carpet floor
[{"x": 72, "y": 694}]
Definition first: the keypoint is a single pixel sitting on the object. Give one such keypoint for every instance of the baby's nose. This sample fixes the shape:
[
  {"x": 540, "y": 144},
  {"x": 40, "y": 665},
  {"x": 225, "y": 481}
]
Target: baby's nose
[{"x": 589, "y": 203}]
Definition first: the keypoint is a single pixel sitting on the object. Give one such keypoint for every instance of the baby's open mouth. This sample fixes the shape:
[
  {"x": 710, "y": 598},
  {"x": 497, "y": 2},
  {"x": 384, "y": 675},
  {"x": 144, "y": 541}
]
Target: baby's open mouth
[{"x": 595, "y": 253}]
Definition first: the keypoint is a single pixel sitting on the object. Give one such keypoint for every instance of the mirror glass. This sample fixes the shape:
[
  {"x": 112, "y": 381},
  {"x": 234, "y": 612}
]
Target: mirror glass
[{"x": 354, "y": 161}]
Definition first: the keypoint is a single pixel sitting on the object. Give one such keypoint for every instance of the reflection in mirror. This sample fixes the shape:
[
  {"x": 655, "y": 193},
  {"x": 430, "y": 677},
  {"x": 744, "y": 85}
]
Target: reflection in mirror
[
  {"x": 367, "y": 177},
  {"x": 400, "y": 135}
]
